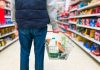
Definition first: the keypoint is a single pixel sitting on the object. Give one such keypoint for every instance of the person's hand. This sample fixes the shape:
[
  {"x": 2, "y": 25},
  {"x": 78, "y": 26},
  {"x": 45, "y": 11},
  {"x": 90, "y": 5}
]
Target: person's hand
[
  {"x": 16, "y": 27},
  {"x": 56, "y": 30}
]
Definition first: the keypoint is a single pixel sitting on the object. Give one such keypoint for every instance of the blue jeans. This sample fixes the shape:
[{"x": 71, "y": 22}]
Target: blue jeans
[{"x": 26, "y": 37}]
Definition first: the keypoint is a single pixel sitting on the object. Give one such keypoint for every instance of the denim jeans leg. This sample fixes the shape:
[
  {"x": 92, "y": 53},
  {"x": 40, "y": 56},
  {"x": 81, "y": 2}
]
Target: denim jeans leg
[
  {"x": 39, "y": 47},
  {"x": 25, "y": 42}
]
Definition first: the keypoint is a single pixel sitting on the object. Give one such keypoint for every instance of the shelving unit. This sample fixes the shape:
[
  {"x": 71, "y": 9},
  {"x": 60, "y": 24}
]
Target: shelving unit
[
  {"x": 7, "y": 34},
  {"x": 9, "y": 43},
  {"x": 75, "y": 2},
  {"x": 84, "y": 26},
  {"x": 80, "y": 44},
  {"x": 7, "y": 16},
  {"x": 90, "y": 6},
  {"x": 63, "y": 18},
  {"x": 7, "y": 24},
  {"x": 7, "y": 8},
  {"x": 96, "y": 28},
  {"x": 73, "y": 10},
  {"x": 89, "y": 15},
  {"x": 70, "y": 22},
  {"x": 60, "y": 22},
  {"x": 8, "y": 1},
  {"x": 86, "y": 7},
  {"x": 87, "y": 37}
]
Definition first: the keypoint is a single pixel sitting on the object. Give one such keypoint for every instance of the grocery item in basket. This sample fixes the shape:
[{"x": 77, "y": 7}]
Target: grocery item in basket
[{"x": 53, "y": 49}]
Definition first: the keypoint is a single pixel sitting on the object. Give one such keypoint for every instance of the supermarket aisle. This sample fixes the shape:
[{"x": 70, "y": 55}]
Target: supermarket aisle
[{"x": 78, "y": 60}]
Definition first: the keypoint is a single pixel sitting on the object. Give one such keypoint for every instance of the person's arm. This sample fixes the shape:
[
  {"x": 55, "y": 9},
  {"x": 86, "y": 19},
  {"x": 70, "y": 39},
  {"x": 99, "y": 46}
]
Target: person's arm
[{"x": 53, "y": 14}]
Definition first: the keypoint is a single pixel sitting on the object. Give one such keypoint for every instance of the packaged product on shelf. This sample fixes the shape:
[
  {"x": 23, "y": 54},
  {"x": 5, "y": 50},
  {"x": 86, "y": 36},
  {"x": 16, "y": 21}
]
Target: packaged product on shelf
[
  {"x": 96, "y": 10},
  {"x": 88, "y": 44},
  {"x": 12, "y": 36},
  {"x": 93, "y": 1},
  {"x": 6, "y": 30},
  {"x": 93, "y": 22},
  {"x": 87, "y": 22},
  {"x": 92, "y": 47},
  {"x": 8, "y": 21},
  {"x": 2, "y": 16},
  {"x": 96, "y": 51},
  {"x": 80, "y": 30},
  {"x": 79, "y": 21},
  {"x": 2, "y": 12},
  {"x": 82, "y": 4},
  {"x": 92, "y": 33},
  {"x": 9, "y": 38},
  {"x": 79, "y": 38},
  {"x": 97, "y": 35},
  {"x": 8, "y": 12},
  {"x": 98, "y": 23},
  {"x": 2, "y": 31},
  {"x": 72, "y": 26},
  {"x": 87, "y": 32},
  {"x": 2, "y": 42},
  {"x": 64, "y": 14},
  {"x": 66, "y": 27}
]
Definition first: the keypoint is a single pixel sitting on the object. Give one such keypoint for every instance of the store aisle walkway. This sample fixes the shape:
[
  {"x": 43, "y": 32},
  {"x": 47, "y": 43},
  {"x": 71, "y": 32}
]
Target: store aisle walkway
[{"x": 77, "y": 60}]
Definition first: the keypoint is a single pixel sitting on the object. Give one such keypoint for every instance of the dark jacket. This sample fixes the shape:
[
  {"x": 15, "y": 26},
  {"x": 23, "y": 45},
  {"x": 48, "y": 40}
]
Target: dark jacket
[{"x": 31, "y": 13}]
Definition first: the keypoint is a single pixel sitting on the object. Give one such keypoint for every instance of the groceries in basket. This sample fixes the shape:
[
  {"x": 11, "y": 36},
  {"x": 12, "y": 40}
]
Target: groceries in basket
[{"x": 57, "y": 49}]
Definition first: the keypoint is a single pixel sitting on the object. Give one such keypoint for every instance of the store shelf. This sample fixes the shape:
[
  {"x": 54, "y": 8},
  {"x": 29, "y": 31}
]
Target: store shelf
[
  {"x": 96, "y": 28},
  {"x": 91, "y": 39},
  {"x": 3, "y": 47},
  {"x": 63, "y": 18},
  {"x": 7, "y": 34},
  {"x": 75, "y": 2},
  {"x": 70, "y": 22},
  {"x": 62, "y": 29},
  {"x": 7, "y": 8},
  {"x": 80, "y": 44},
  {"x": 8, "y": 1},
  {"x": 7, "y": 16},
  {"x": 60, "y": 26},
  {"x": 90, "y": 15},
  {"x": 6, "y": 25},
  {"x": 90, "y": 6},
  {"x": 73, "y": 10},
  {"x": 60, "y": 22},
  {"x": 97, "y": 58}
]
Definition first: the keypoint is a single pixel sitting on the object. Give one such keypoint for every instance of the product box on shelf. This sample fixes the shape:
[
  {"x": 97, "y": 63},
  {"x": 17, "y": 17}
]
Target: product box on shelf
[
  {"x": 6, "y": 30},
  {"x": 98, "y": 23},
  {"x": 92, "y": 22},
  {"x": 2, "y": 42},
  {"x": 97, "y": 35},
  {"x": 96, "y": 51},
  {"x": 7, "y": 39}
]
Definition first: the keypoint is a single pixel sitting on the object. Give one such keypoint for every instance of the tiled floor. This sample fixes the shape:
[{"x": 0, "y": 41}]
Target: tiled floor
[{"x": 77, "y": 60}]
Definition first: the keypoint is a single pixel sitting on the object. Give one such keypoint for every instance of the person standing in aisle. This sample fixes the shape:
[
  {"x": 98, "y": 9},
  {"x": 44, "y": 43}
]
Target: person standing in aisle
[{"x": 32, "y": 18}]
